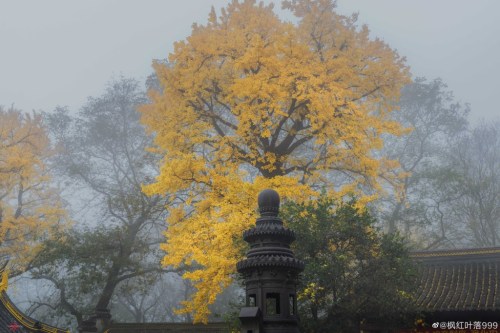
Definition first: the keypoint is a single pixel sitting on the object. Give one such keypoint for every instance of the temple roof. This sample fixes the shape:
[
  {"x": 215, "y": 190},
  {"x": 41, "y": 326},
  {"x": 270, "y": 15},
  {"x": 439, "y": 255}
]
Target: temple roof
[
  {"x": 13, "y": 320},
  {"x": 459, "y": 280}
]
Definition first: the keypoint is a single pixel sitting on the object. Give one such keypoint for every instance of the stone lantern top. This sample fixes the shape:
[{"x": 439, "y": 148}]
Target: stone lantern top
[
  {"x": 269, "y": 240},
  {"x": 269, "y": 203}
]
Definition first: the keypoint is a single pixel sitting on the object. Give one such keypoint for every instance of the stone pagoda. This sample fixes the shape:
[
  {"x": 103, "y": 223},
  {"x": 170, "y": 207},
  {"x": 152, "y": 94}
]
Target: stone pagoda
[{"x": 270, "y": 272}]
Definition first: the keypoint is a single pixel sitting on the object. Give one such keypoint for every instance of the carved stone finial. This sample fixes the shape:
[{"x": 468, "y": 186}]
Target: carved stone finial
[{"x": 269, "y": 203}]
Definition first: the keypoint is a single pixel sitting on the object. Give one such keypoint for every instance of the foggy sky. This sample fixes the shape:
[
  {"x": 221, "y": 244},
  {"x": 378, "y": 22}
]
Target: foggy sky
[{"x": 59, "y": 52}]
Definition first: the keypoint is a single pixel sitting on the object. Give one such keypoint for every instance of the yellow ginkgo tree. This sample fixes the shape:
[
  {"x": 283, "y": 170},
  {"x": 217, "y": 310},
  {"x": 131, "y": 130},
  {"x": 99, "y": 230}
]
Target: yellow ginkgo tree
[
  {"x": 248, "y": 102},
  {"x": 30, "y": 207}
]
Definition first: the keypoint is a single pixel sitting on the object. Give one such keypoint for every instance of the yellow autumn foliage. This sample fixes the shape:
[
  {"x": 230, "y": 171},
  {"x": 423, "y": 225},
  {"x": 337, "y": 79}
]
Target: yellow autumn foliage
[
  {"x": 252, "y": 102},
  {"x": 30, "y": 209}
]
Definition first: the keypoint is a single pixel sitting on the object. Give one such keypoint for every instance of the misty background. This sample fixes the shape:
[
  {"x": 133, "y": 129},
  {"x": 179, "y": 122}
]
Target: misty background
[{"x": 60, "y": 52}]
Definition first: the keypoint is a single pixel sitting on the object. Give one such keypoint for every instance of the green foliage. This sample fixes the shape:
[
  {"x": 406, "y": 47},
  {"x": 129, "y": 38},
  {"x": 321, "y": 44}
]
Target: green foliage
[
  {"x": 354, "y": 274},
  {"x": 78, "y": 265},
  {"x": 231, "y": 316}
]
